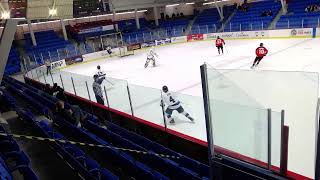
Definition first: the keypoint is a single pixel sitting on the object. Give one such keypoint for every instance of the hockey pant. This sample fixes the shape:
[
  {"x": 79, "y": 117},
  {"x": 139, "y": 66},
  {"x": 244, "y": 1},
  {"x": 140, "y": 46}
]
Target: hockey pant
[
  {"x": 257, "y": 61},
  {"x": 220, "y": 47},
  {"x": 100, "y": 100},
  {"x": 180, "y": 110},
  {"x": 148, "y": 60}
]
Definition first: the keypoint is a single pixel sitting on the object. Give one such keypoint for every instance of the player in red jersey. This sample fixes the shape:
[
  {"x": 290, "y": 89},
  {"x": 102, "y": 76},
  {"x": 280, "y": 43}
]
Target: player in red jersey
[
  {"x": 219, "y": 44},
  {"x": 260, "y": 52}
]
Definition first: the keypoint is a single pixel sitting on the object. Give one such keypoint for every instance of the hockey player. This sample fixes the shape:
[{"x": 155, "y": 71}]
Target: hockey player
[
  {"x": 109, "y": 50},
  {"x": 151, "y": 57},
  {"x": 99, "y": 72},
  {"x": 219, "y": 44},
  {"x": 172, "y": 104},
  {"x": 261, "y": 51}
]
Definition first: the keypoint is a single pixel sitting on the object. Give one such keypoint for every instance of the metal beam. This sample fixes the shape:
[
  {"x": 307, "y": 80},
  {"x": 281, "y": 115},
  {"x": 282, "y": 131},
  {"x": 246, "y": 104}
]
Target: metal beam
[
  {"x": 64, "y": 32},
  {"x": 284, "y": 7},
  {"x": 219, "y": 10},
  {"x": 6, "y": 39}
]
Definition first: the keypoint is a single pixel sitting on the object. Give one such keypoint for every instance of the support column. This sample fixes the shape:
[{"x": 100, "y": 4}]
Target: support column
[
  {"x": 33, "y": 38},
  {"x": 137, "y": 18},
  {"x": 283, "y": 4},
  {"x": 104, "y": 6},
  {"x": 156, "y": 18},
  {"x": 6, "y": 39},
  {"x": 64, "y": 32},
  {"x": 114, "y": 20}
]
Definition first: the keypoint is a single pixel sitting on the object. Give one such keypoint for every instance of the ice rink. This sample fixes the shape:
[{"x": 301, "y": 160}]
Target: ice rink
[{"x": 178, "y": 67}]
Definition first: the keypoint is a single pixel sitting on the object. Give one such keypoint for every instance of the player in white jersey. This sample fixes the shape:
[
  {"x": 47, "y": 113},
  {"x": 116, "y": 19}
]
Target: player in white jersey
[
  {"x": 151, "y": 57},
  {"x": 109, "y": 50},
  {"x": 173, "y": 104},
  {"x": 99, "y": 72}
]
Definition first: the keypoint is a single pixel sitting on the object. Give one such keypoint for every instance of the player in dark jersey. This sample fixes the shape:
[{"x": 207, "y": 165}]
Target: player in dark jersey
[
  {"x": 219, "y": 44},
  {"x": 261, "y": 51}
]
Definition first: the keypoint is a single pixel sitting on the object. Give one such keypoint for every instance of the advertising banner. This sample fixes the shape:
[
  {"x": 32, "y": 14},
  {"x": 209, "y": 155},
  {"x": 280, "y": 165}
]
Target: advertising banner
[
  {"x": 179, "y": 39},
  {"x": 148, "y": 44},
  {"x": 195, "y": 37},
  {"x": 133, "y": 47},
  {"x": 73, "y": 60},
  {"x": 58, "y": 64},
  {"x": 162, "y": 41}
]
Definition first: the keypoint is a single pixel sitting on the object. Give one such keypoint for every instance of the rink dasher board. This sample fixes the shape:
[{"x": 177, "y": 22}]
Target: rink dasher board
[{"x": 242, "y": 35}]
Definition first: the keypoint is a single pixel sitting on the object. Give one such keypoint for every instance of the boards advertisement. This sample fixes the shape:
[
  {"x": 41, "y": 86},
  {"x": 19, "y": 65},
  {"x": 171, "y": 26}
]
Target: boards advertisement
[
  {"x": 58, "y": 64},
  {"x": 73, "y": 60},
  {"x": 195, "y": 37}
]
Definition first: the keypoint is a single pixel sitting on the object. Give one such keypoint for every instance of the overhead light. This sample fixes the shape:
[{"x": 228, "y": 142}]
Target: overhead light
[
  {"x": 190, "y": 3},
  {"x": 5, "y": 15},
  {"x": 129, "y": 12},
  {"x": 52, "y": 12},
  {"x": 214, "y": 2},
  {"x": 171, "y": 5}
]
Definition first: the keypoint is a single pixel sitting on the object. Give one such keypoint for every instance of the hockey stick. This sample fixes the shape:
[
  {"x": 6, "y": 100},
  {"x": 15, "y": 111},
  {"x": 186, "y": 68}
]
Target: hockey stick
[{"x": 163, "y": 114}]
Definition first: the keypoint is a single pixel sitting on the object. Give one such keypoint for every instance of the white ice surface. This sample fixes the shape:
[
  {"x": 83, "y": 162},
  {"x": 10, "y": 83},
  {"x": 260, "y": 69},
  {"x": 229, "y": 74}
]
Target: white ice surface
[{"x": 178, "y": 68}]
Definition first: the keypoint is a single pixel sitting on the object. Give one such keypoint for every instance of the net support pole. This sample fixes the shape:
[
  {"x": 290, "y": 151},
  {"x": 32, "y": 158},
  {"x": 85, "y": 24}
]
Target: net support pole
[{"x": 208, "y": 118}]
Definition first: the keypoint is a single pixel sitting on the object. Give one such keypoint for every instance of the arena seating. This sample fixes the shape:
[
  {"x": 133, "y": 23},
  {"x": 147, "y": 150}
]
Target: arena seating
[
  {"x": 13, "y": 159},
  {"x": 13, "y": 63},
  {"x": 84, "y": 165},
  {"x": 183, "y": 167},
  {"x": 298, "y": 17},
  {"x": 209, "y": 20},
  {"x": 48, "y": 44},
  {"x": 252, "y": 19}
]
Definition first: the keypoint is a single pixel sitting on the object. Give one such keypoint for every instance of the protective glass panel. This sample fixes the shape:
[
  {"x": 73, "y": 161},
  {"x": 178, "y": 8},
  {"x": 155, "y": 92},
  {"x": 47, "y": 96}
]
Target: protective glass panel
[
  {"x": 294, "y": 92},
  {"x": 146, "y": 104}
]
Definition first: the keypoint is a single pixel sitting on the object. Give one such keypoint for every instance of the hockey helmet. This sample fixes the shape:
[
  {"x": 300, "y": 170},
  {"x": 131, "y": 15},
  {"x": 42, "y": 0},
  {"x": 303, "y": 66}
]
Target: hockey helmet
[
  {"x": 165, "y": 89},
  {"x": 98, "y": 67},
  {"x": 261, "y": 44},
  {"x": 218, "y": 37}
]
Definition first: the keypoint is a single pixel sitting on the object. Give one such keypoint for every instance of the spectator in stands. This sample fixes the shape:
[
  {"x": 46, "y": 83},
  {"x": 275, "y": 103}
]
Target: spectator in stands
[
  {"x": 72, "y": 115},
  {"x": 181, "y": 14},
  {"x": 55, "y": 89},
  {"x": 97, "y": 88},
  {"x": 167, "y": 17},
  {"x": 60, "y": 94},
  {"x": 173, "y": 15},
  {"x": 48, "y": 65},
  {"x": 48, "y": 89}
]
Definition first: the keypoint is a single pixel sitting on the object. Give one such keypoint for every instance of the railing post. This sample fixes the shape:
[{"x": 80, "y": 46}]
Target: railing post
[
  {"x": 318, "y": 22},
  {"x": 130, "y": 100},
  {"x": 269, "y": 139},
  {"x": 88, "y": 91},
  {"x": 230, "y": 26},
  {"x": 105, "y": 92},
  {"x": 58, "y": 54},
  {"x": 251, "y": 26},
  {"x": 44, "y": 77},
  {"x": 61, "y": 81},
  {"x": 74, "y": 89},
  {"x": 302, "y": 23},
  {"x": 215, "y": 28},
  {"x": 207, "y": 28},
  {"x": 51, "y": 78},
  {"x": 262, "y": 25},
  {"x": 284, "y": 146},
  {"x": 288, "y": 24},
  {"x": 240, "y": 27},
  {"x": 199, "y": 29}
]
